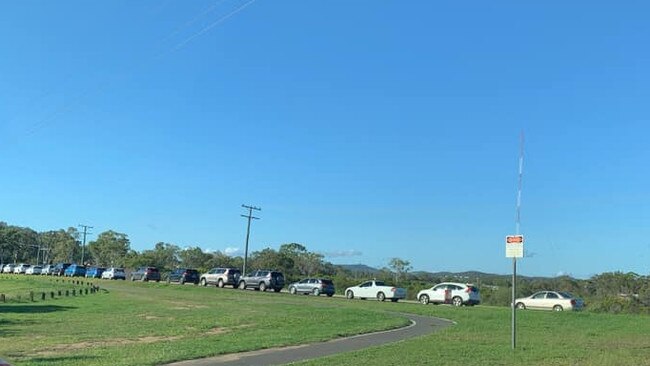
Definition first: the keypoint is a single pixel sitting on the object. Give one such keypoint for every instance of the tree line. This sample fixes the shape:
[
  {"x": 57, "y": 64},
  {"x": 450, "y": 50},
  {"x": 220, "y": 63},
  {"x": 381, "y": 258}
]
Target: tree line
[{"x": 607, "y": 292}]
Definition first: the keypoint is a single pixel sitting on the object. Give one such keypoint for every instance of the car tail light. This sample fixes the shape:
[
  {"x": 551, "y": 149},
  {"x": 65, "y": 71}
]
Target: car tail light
[
  {"x": 468, "y": 290},
  {"x": 573, "y": 302},
  {"x": 393, "y": 289}
]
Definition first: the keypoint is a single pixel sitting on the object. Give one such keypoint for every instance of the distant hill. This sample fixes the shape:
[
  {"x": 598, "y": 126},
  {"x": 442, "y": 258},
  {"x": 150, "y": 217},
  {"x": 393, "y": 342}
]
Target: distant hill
[
  {"x": 466, "y": 276},
  {"x": 359, "y": 268}
]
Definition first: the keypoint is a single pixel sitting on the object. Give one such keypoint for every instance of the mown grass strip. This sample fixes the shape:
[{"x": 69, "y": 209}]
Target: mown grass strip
[{"x": 150, "y": 324}]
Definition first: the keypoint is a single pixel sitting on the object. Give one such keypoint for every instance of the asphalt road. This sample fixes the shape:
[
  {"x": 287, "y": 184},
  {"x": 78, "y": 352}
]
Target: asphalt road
[{"x": 420, "y": 325}]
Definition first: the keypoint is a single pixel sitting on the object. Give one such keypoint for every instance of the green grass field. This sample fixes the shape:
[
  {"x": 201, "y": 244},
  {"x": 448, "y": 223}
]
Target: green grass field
[{"x": 151, "y": 324}]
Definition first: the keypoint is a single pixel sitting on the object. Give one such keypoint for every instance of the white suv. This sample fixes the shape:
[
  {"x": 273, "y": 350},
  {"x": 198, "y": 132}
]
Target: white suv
[{"x": 453, "y": 293}]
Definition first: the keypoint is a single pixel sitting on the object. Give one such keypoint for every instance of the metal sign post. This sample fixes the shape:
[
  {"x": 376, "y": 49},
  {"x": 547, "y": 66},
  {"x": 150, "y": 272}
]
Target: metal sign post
[
  {"x": 514, "y": 250},
  {"x": 515, "y": 243}
]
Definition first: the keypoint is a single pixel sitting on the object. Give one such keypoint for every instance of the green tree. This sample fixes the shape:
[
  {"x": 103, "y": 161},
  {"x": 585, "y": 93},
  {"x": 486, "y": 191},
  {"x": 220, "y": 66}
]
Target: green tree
[
  {"x": 60, "y": 245},
  {"x": 165, "y": 256},
  {"x": 110, "y": 249},
  {"x": 194, "y": 258},
  {"x": 400, "y": 268}
]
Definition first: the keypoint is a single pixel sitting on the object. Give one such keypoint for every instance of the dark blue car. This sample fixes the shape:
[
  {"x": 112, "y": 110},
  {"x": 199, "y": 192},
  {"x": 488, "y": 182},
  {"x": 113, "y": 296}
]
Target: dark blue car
[
  {"x": 75, "y": 270},
  {"x": 95, "y": 272}
]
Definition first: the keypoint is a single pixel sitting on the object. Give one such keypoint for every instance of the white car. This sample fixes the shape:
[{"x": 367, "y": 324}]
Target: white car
[
  {"x": 114, "y": 274},
  {"x": 9, "y": 268},
  {"x": 550, "y": 300},
  {"x": 457, "y": 294},
  {"x": 375, "y": 289},
  {"x": 33, "y": 270},
  {"x": 47, "y": 269},
  {"x": 21, "y": 268}
]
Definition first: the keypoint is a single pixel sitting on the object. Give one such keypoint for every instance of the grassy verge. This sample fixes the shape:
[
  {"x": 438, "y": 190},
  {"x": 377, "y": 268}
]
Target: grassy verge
[
  {"x": 21, "y": 288},
  {"x": 151, "y": 324},
  {"x": 482, "y": 337}
]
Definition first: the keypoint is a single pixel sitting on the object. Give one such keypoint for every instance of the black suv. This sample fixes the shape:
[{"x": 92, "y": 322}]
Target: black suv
[
  {"x": 183, "y": 275},
  {"x": 262, "y": 280},
  {"x": 60, "y": 268},
  {"x": 146, "y": 274}
]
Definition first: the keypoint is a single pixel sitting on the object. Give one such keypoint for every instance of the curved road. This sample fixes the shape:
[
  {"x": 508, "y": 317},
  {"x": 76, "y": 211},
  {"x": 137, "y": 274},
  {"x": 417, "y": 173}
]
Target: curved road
[{"x": 420, "y": 325}]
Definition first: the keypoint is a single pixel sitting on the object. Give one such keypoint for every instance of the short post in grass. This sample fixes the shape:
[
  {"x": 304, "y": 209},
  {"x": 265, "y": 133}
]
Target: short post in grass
[
  {"x": 31, "y": 296},
  {"x": 3, "y": 298},
  {"x": 43, "y": 296},
  {"x": 51, "y": 294},
  {"x": 67, "y": 293}
]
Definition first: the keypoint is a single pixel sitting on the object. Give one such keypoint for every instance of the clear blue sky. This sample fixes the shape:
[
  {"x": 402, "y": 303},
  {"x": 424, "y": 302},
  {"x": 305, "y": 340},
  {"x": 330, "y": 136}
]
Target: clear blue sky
[{"x": 364, "y": 129}]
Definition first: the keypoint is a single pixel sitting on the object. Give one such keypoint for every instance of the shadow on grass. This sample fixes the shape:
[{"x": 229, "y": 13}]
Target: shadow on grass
[
  {"x": 33, "y": 309},
  {"x": 64, "y": 359}
]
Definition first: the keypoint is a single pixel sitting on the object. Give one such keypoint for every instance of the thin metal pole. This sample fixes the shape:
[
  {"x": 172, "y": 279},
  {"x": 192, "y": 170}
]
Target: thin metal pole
[
  {"x": 517, "y": 225},
  {"x": 514, "y": 310}
]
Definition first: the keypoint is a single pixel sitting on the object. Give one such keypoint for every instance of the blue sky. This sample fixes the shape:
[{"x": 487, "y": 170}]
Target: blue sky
[{"x": 364, "y": 130}]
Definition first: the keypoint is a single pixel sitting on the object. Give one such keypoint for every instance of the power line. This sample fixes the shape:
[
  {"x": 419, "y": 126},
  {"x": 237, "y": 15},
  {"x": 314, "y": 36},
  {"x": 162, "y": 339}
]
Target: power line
[
  {"x": 83, "y": 245},
  {"x": 248, "y": 231}
]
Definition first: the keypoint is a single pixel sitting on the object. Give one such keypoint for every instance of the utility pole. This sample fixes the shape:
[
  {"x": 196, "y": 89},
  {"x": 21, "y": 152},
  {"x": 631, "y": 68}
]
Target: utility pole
[
  {"x": 83, "y": 245},
  {"x": 248, "y": 231}
]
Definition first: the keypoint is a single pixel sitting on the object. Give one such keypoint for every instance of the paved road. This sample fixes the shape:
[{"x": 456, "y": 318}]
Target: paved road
[{"x": 420, "y": 325}]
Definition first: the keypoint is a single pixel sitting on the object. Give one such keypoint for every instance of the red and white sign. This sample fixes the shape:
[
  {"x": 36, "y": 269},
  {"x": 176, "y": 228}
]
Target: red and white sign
[{"x": 514, "y": 246}]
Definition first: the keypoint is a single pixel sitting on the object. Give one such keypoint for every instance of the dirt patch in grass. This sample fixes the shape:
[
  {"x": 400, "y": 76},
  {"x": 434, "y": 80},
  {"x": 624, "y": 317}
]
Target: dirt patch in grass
[
  {"x": 63, "y": 348},
  {"x": 186, "y": 306}
]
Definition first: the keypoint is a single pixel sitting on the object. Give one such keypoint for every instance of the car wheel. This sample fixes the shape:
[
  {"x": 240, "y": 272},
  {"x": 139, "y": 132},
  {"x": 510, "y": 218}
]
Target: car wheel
[
  {"x": 457, "y": 301},
  {"x": 204, "y": 282},
  {"x": 394, "y": 300},
  {"x": 292, "y": 290},
  {"x": 316, "y": 292},
  {"x": 557, "y": 308},
  {"x": 262, "y": 286},
  {"x": 424, "y": 299},
  {"x": 330, "y": 295},
  {"x": 349, "y": 295},
  {"x": 277, "y": 289},
  {"x": 220, "y": 283},
  {"x": 381, "y": 296},
  {"x": 521, "y": 306},
  {"x": 242, "y": 285}
]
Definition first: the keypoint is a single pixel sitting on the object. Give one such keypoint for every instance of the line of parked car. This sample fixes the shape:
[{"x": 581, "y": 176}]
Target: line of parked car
[{"x": 456, "y": 294}]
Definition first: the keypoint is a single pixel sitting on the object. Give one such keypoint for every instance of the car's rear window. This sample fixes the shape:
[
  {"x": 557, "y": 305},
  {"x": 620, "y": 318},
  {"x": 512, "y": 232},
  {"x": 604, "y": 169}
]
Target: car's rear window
[
  {"x": 192, "y": 271},
  {"x": 152, "y": 269},
  {"x": 327, "y": 282},
  {"x": 379, "y": 283},
  {"x": 473, "y": 289}
]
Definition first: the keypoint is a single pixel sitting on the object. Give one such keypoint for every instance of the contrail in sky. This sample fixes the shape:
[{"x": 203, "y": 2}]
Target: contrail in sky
[{"x": 216, "y": 23}]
